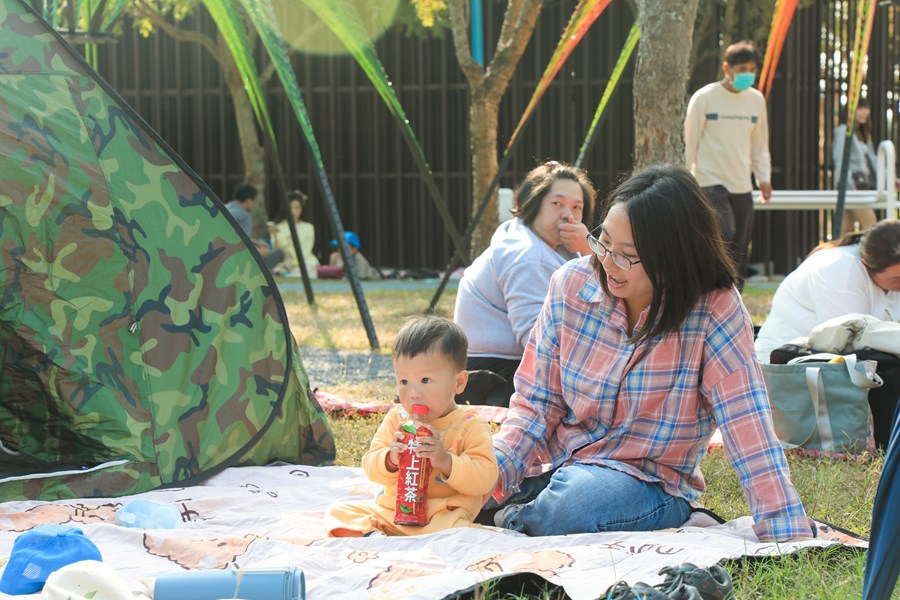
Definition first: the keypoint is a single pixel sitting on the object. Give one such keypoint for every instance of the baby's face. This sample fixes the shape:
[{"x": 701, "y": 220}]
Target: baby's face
[{"x": 428, "y": 379}]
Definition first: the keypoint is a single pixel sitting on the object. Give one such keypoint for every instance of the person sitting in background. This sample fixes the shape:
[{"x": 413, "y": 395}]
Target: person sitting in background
[
  {"x": 306, "y": 233},
  {"x": 363, "y": 268},
  {"x": 501, "y": 292},
  {"x": 861, "y": 172},
  {"x": 859, "y": 273},
  {"x": 241, "y": 207},
  {"x": 639, "y": 353}
]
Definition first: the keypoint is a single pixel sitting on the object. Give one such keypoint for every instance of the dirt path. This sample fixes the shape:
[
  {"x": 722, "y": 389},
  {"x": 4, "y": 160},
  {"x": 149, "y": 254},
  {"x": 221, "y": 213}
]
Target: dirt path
[{"x": 327, "y": 368}]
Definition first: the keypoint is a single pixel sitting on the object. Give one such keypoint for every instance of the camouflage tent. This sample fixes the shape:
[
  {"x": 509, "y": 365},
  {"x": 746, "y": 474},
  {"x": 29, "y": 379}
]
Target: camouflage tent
[{"x": 142, "y": 341}]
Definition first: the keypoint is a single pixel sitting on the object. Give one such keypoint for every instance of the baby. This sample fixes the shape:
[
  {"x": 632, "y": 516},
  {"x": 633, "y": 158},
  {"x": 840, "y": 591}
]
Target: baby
[{"x": 429, "y": 356}]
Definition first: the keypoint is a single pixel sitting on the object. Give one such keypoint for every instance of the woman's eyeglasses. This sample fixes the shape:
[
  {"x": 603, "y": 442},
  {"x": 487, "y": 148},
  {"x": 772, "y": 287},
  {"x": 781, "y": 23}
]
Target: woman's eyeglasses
[{"x": 620, "y": 260}]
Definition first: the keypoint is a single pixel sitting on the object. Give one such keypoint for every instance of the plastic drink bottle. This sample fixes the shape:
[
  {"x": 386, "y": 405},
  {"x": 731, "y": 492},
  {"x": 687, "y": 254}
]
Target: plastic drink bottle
[
  {"x": 255, "y": 583},
  {"x": 145, "y": 514},
  {"x": 413, "y": 474}
]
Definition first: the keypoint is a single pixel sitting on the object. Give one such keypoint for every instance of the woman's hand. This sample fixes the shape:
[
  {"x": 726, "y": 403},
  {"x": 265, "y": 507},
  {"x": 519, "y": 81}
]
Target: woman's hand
[{"x": 573, "y": 235}]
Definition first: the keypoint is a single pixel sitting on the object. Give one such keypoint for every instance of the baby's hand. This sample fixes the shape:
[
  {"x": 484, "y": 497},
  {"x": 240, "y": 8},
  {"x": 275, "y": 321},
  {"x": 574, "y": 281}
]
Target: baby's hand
[
  {"x": 392, "y": 460},
  {"x": 431, "y": 448}
]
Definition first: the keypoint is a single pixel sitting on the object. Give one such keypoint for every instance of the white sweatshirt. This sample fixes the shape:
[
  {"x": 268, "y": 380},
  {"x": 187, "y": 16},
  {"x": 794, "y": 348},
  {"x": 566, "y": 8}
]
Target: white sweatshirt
[
  {"x": 726, "y": 134},
  {"x": 502, "y": 291},
  {"x": 830, "y": 283}
]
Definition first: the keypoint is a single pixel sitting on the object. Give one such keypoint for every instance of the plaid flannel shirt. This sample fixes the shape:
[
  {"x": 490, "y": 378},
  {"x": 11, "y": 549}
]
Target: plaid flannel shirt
[{"x": 585, "y": 394}]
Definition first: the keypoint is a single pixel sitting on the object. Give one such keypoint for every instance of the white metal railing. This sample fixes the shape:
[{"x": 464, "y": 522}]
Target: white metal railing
[{"x": 883, "y": 197}]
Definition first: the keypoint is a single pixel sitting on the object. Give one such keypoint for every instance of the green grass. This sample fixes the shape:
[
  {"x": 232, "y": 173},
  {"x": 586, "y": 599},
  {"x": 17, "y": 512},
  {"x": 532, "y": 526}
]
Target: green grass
[
  {"x": 334, "y": 321},
  {"x": 840, "y": 492},
  {"x": 758, "y": 300}
]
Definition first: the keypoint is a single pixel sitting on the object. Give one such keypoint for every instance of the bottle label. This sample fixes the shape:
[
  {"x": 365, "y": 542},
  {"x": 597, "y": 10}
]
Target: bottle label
[{"x": 412, "y": 485}]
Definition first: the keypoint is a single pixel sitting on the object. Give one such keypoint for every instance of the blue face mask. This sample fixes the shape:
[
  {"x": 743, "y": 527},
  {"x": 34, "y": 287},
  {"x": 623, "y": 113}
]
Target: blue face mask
[{"x": 742, "y": 81}]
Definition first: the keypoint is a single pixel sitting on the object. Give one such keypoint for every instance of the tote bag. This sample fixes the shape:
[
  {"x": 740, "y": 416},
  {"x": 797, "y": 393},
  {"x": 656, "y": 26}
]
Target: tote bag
[{"x": 821, "y": 405}]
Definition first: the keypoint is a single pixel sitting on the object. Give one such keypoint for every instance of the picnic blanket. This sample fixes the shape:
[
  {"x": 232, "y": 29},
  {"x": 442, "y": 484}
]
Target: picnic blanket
[{"x": 272, "y": 517}]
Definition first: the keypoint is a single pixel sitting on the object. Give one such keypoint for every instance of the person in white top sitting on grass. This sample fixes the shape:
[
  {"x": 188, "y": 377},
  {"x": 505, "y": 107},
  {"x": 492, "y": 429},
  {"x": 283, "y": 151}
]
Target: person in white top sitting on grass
[
  {"x": 306, "y": 234},
  {"x": 859, "y": 273}
]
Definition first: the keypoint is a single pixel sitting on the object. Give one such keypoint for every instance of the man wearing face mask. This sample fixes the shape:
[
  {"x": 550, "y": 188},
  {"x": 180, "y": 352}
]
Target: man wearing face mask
[{"x": 726, "y": 136}]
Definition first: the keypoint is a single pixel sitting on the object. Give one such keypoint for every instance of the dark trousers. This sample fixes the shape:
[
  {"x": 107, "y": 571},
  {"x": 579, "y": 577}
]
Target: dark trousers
[
  {"x": 273, "y": 258},
  {"x": 736, "y": 221},
  {"x": 883, "y": 401}
]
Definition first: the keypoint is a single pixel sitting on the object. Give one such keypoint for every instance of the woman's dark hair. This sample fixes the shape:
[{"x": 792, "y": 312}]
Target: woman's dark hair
[
  {"x": 677, "y": 238},
  {"x": 538, "y": 182},
  {"x": 297, "y": 195},
  {"x": 420, "y": 333},
  {"x": 861, "y": 130},
  {"x": 283, "y": 213},
  {"x": 879, "y": 245}
]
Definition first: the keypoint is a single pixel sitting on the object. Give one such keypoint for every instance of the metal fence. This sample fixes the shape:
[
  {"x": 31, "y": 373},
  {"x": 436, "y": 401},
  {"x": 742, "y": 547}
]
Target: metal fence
[
  {"x": 805, "y": 106},
  {"x": 180, "y": 91}
]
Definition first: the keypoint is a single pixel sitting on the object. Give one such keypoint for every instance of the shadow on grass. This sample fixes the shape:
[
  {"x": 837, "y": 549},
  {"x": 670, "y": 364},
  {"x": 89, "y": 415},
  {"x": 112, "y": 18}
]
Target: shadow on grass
[
  {"x": 322, "y": 327},
  {"x": 513, "y": 586}
]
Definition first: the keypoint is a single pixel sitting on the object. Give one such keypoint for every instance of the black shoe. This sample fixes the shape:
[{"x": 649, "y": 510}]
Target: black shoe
[
  {"x": 713, "y": 583},
  {"x": 641, "y": 591}
]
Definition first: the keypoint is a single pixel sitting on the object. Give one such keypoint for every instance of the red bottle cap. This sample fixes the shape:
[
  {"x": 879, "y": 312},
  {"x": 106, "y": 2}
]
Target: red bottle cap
[{"x": 419, "y": 409}]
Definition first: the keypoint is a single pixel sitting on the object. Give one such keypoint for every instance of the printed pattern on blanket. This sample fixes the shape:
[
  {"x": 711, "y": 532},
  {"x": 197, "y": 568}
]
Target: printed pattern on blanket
[{"x": 272, "y": 517}]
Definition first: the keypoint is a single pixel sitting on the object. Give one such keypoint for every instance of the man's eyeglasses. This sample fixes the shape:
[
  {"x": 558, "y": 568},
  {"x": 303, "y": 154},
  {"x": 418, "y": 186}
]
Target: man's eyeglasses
[{"x": 620, "y": 260}]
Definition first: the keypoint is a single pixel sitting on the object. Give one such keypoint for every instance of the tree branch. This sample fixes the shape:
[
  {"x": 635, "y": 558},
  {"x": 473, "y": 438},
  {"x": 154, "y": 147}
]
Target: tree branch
[
  {"x": 266, "y": 74},
  {"x": 180, "y": 35},
  {"x": 518, "y": 24},
  {"x": 511, "y": 21},
  {"x": 459, "y": 25}
]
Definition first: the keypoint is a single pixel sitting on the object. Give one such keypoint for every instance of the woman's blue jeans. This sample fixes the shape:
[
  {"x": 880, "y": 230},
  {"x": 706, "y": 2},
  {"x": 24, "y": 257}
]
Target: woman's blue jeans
[{"x": 584, "y": 498}]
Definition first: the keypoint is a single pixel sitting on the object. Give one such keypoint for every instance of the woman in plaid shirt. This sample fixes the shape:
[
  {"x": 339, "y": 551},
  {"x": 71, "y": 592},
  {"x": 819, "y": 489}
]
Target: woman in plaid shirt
[{"x": 639, "y": 353}]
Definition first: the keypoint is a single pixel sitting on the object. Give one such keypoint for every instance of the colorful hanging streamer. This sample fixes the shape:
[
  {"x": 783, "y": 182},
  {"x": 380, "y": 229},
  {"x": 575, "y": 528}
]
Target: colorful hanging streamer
[
  {"x": 781, "y": 22},
  {"x": 624, "y": 56},
  {"x": 342, "y": 19},
  {"x": 584, "y": 16},
  {"x": 865, "y": 18}
]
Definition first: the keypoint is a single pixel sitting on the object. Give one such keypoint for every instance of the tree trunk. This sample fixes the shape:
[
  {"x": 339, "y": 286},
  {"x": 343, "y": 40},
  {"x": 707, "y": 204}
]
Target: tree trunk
[
  {"x": 727, "y": 35},
  {"x": 483, "y": 119},
  {"x": 251, "y": 149},
  {"x": 660, "y": 80},
  {"x": 486, "y": 89}
]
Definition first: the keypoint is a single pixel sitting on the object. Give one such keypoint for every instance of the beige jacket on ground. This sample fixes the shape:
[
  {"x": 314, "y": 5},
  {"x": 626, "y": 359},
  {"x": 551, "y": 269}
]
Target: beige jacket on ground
[{"x": 855, "y": 331}]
